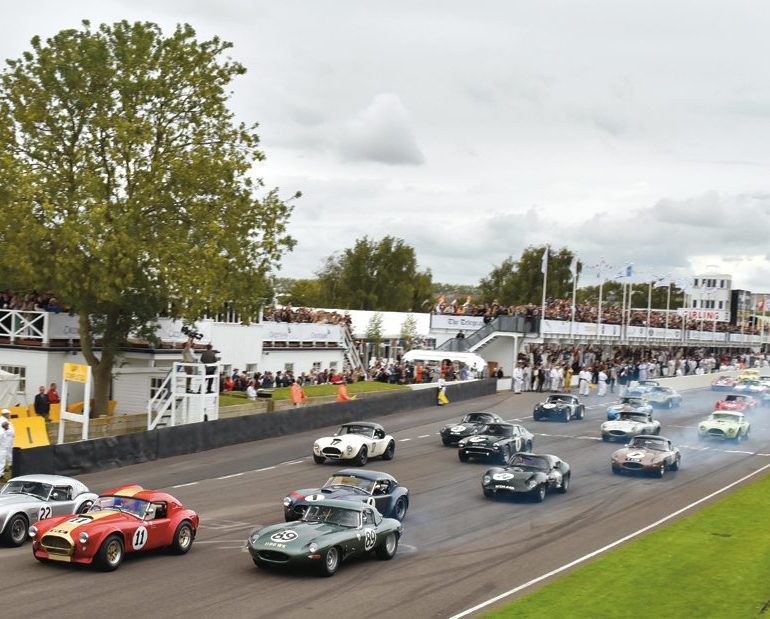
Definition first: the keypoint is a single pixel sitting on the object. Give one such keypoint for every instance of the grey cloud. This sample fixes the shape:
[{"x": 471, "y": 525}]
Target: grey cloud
[{"x": 383, "y": 133}]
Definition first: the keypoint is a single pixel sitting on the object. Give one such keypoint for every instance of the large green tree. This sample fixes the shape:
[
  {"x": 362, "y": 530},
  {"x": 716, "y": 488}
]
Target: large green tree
[
  {"x": 126, "y": 185},
  {"x": 518, "y": 282},
  {"x": 375, "y": 275}
]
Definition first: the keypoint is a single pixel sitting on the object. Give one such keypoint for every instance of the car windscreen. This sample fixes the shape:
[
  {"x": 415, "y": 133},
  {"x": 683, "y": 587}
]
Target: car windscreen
[
  {"x": 135, "y": 507},
  {"x": 331, "y": 515},
  {"x": 32, "y": 488},
  {"x": 536, "y": 463},
  {"x": 632, "y": 401},
  {"x": 649, "y": 443},
  {"x": 725, "y": 417},
  {"x": 735, "y": 398},
  {"x": 633, "y": 417},
  {"x": 498, "y": 429},
  {"x": 559, "y": 399},
  {"x": 366, "y": 431},
  {"x": 476, "y": 418},
  {"x": 367, "y": 485}
]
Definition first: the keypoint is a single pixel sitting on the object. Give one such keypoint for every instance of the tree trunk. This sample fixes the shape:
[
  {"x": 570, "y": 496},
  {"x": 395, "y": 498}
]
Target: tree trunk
[
  {"x": 101, "y": 369},
  {"x": 102, "y": 377}
]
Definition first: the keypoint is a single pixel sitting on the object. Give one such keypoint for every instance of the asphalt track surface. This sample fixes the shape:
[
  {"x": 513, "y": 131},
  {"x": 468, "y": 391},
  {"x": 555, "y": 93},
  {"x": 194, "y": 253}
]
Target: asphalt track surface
[{"x": 458, "y": 548}]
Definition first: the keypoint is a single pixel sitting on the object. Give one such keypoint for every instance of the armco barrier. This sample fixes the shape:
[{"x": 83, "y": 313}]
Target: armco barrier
[{"x": 104, "y": 453}]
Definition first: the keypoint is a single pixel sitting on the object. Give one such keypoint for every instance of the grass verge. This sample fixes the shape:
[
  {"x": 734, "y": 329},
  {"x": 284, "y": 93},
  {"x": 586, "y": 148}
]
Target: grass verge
[{"x": 713, "y": 563}]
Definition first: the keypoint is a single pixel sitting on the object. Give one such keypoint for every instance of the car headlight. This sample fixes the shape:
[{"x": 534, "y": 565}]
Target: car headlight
[
  {"x": 349, "y": 450},
  {"x": 312, "y": 547},
  {"x": 316, "y": 447},
  {"x": 486, "y": 479},
  {"x": 604, "y": 426},
  {"x": 531, "y": 483},
  {"x": 461, "y": 444},
  {"x": 83, "y": 537},
  {"x": 254, "y": 537},
  {"x": 32, "y": 531},
  {"x": 286, "y": 501},
  {"x": 496, "y": 446}
]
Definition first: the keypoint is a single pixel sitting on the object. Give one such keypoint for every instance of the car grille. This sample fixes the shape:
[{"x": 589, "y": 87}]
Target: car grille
[
  {"x": 273, "y": 555},
  {"x": 331, "y": 451},
  {"x": 633, "y": 466},
  {"x": 716, "y": 432},
  {"x": 482, "y": 451},
  {"x": 617, "y": 433},
  {"x": 55, "y": 545}
]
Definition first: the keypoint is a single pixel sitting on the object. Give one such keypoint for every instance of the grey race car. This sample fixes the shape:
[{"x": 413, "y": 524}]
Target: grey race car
[
  {"x": 27, "y": 499},
  {"x": 529, "y": 475},
  {"x": 561, "y": 406},
  {"x": 498, "y": 442}
]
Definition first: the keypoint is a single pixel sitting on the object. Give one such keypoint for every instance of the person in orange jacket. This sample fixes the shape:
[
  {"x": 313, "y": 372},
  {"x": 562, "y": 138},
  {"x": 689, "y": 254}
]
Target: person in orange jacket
[
  {"x": 298, "y": 396},
  {"x": 342, "y": 393}
]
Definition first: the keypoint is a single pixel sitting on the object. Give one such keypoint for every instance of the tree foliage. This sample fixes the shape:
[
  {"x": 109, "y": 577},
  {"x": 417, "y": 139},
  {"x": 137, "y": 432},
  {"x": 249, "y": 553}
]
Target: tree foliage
[
  {"x": 375, "y": 275},
  {"x": 126, "y": 184},
  {"x": 409, "y": 330},
  {"x": 519, "y": 282}
]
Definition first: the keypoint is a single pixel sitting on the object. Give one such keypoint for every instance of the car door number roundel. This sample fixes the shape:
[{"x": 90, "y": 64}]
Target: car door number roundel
[
  {"x": 44, "y": 512},
  {"x": 140, "y": 538},
  {"x": 370, "y": 538}
]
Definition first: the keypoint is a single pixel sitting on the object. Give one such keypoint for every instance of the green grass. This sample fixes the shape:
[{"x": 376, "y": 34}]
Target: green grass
[
  {"x": 714, "y": 563},
  {"x": 312, "y": 391}
]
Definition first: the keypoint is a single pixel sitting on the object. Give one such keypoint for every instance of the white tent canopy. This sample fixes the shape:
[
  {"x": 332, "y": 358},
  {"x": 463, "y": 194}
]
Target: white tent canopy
[
  {"x": 9, "y": 388},
  {"x": 473, "y": 361}
]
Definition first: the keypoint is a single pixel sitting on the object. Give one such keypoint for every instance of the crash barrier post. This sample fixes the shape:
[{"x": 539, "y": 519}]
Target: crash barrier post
[
  {"x": 103, "y": 453},
  {"x": 76, "y": 373},
  {"x": 30, "y": 432}
]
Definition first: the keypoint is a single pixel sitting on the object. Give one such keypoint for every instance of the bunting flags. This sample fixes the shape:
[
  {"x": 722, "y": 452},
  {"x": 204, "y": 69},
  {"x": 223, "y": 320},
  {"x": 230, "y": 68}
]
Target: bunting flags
[
  {"x": 626, "y": 271},
  {"x": 662, "y": 282}
]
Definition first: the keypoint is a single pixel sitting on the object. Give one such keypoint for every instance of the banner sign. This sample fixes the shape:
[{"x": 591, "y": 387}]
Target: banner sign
[
  {"x": 75, "y": 372},
  {"x": 705, "y": 315},
  {"x": 454, "y": 322}
]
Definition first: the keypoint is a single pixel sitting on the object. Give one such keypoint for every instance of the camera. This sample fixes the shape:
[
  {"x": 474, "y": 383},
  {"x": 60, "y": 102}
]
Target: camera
[{"x": 192, "y": 333}]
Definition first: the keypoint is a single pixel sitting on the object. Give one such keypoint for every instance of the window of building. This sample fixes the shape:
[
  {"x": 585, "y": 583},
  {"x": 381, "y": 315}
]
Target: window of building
[
  {"x": 288, "y": 367},
  {"x": 155, "y": 385},
  {"x": 722, "y": 284},
  {"x": 695, "y": 302},
  {"x": 251, "y": 368},
  {"x": 317, "y": 365},
  {"x": 21, "y": 372},
  {"x": 720, "y": 304},
  {"x": 332, "y": 365},
  {"x": 695, "y": 283}
]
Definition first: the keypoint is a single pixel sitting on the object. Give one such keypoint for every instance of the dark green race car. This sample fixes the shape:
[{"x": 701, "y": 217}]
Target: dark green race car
[{"x": 329, "y": 532}]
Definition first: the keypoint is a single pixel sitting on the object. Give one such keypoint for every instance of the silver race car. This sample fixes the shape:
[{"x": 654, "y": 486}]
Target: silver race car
[{"x": 27, "y": 499}]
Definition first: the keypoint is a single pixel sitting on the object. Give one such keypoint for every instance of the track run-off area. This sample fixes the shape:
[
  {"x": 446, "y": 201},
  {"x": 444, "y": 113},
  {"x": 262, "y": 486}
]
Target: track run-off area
[{"x": 459, "y": 549}]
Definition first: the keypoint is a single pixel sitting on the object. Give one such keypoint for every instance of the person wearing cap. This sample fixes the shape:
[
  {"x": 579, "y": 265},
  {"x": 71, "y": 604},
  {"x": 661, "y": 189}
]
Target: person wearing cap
[{"x": 5, "y": 415}]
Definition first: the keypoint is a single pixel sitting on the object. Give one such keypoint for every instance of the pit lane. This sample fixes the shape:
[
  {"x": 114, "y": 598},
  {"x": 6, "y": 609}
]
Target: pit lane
[{"x": 459, "y": 548}]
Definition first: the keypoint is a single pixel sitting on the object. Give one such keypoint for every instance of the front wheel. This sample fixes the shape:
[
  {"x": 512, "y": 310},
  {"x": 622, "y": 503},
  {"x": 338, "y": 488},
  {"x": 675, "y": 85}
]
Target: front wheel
[
  {"x": 674, "y": 465},
  {"x": 565, "y": 480},
  {"x": 16, "y": 530},
  {"x": 331, "y": 562},
  {"x": 489, "y": 493},
  {"x": 363, "y": 457},
  {"x": 389, "y": 451},
  {"x": 528, "y": 447},
  {"x": 659, "y": 472},
  {"x": 567, "y": 417},
  {"x": 318, "y": 459},
  {"x": 387, "y": 549},
  {"x": 463, "y": 456},
  {"x": 183, "y": 538},
  {"x": 110, "y": 554},
  {"x": 539, "y": 495},
  {"x": 582, "y": 412}
]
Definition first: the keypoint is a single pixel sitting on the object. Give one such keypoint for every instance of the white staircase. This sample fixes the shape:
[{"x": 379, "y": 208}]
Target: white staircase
[
  {"x": 351, "y": 352},
  {"x": 184, "y": 397}
]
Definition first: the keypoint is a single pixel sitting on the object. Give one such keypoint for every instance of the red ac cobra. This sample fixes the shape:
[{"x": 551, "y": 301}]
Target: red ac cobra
[
  {"x": 122, "y": 520},
  {"x": 736, "y": 402}
]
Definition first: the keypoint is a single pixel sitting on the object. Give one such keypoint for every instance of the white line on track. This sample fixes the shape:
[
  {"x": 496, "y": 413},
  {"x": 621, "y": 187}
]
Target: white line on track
[
  {"x": 229, "y": 476},
  {"x": 609, "y": 546},
  {"x": 267, "y": 468},
  {"x": 765, "y": 455},
  {"x": 404, "y": 440},
  {"x": 737, "y": 451},
  {"x": 424, "y": 436},
  {"x": 192, "y": 483},
  {"x": 290, "y": 462},
  {"x": 590, "y": 438}
]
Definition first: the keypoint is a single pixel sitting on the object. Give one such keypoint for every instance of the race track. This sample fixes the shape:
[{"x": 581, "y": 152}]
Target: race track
[{"x": 458, "y": 548}]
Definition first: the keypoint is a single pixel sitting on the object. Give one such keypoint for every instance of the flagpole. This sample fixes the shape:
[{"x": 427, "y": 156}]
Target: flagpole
[
  {"x": 624, "y": 336},
  {"x": 649, "y": 309},
  {"x": 545, "y": 283},
  {"x": 668, "y": 304},
  {"x": 574, "y": 297}
]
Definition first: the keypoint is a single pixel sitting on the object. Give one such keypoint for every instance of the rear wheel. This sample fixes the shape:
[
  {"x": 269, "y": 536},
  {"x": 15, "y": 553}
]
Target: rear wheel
[
  {"x": 183, "y": 538},
  {"x": 389, "y": 451},
  {"x": 110, "y": 554},
  {"x": 318, "y": 459},
  {"x": 16, "y": 530},
  {"x": 399, "y": 509},
  {"x": 387, "y": 549},
  {"x": 363, "y": 456},
  {"x": 331, "y": 561}
]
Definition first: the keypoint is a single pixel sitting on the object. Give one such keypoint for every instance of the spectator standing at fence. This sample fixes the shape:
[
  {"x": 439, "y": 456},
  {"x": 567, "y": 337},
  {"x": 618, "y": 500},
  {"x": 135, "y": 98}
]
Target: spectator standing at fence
[
  {"x": 5, "y": 415},
  {"x": 298, "y": 396},
  {"x": 518, "y": 378},
  {"x": 568, "y": 378},
  {"x": 42, "y": 405},
  {"x": 53, "y": 394},
  {"x": 4, "y": 438},
  {"x": 251, "y": 390},
  {"x": 188, "y": 358},
  {"x": 583, "y": 380},
  {"x": 602, "y": 382}
]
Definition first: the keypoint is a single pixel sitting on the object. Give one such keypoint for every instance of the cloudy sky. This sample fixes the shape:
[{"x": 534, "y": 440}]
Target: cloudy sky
[{"x": 626, "y": 131}]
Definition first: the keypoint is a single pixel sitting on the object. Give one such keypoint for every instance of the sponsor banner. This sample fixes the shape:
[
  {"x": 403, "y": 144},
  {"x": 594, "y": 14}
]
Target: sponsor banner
[
  {"x": 63, "y": 327},
  {"x": 654, "y": 332},
  {"x": 301, "y": 332},
  {"x": 453, "y": 322},
  {"x": 562, "y": 327},
  {"x": 705, "y": 315}
]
